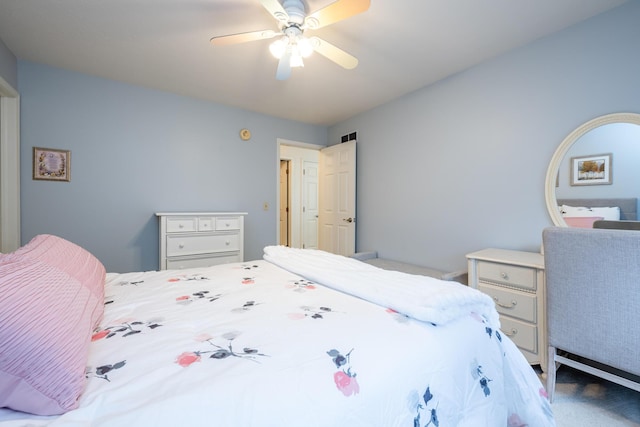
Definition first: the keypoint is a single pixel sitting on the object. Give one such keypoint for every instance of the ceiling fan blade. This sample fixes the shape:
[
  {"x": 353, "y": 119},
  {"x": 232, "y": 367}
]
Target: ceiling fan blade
[
  {"x": 243, "y": 37},
  {"x": 275, "y": 9},
  {"x": 336, "y": 11},
  {"x": 284, "y": 66},
  {"x": 334, "y": 53}
]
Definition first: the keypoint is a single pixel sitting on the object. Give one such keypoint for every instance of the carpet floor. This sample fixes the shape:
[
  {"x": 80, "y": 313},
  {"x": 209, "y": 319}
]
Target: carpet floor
[{"x": 583, "y": 400}]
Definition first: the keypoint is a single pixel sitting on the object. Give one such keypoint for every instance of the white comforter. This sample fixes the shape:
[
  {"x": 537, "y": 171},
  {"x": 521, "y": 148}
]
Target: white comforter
[
  {"x": 251, "y": 344},
  {"x": 420, "y": 297}
]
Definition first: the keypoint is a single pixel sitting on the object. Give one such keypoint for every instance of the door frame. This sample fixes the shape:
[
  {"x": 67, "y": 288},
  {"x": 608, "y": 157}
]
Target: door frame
[
  {"x": 286, "y": 162},
  {"x": 290, "y": 143},
  {"x": 9, "y": 167}
]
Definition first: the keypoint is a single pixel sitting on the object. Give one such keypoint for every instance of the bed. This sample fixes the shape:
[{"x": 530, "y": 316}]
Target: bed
[
  {"x": 299, "y": 338},
  {"x": 583, "y": 213}
]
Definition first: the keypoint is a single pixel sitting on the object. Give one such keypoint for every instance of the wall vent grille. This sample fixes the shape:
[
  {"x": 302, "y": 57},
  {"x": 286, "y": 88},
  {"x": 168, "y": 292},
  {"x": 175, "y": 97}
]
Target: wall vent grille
[{"x": 348, "y": 137}]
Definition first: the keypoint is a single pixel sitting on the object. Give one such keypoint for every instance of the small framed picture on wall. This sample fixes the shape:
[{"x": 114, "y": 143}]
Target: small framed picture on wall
[{"x": 51, "y": 164}]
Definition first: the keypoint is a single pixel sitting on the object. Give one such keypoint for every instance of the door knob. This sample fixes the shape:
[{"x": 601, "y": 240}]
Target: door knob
[{"x": 348, "y": 219}]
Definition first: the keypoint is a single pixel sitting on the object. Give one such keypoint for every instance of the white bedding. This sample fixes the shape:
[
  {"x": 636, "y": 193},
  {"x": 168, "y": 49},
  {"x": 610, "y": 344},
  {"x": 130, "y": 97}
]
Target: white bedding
[
  {"x": 421, "y": 297},
  {"x": 251, "y": 344}
]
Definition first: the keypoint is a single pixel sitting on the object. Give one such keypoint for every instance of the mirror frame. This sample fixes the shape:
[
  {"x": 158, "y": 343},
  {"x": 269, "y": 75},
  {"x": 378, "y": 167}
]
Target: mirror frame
[{"x": 561, "y": 151}]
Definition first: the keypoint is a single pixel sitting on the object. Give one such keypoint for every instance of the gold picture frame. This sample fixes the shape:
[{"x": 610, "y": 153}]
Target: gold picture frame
[{"x": 51, "y": 164}]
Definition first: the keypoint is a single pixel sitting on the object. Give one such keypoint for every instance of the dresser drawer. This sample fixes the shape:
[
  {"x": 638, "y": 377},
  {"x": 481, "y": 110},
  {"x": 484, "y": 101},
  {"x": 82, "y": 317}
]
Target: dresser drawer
[
  {"x": 524, "y": 335},
  {"x": 181, "y": 225},
  {"x": 511, "y": 275},
  {"x": 511, "y": 302},
  {"x": 227, "y": 223},
  {"x": 180, "y": 263},
  {"x": 206, "y": 224},
  {"x": 191, "y": 245}
]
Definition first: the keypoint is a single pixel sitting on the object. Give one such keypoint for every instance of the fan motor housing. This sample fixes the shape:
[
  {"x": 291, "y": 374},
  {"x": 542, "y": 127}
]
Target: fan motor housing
[{"x": 295, "y": 10}]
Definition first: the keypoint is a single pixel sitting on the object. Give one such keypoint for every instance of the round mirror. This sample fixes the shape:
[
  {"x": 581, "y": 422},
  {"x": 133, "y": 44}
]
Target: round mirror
[{"x": 564, "y": 177}]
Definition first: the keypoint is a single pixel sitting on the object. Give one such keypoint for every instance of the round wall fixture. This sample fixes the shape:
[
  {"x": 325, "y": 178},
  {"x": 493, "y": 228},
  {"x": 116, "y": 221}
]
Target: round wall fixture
[{"x": 245, "y": 134}]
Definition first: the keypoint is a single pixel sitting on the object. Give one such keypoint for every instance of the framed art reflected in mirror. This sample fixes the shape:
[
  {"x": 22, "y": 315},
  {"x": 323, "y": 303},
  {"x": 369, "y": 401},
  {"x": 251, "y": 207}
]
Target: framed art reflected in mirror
[{"x": 591, "y": 170}]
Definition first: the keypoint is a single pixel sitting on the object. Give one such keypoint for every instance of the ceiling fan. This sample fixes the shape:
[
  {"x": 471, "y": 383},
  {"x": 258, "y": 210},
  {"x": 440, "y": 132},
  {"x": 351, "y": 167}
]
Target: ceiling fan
[{"x": 292, "y": 45}]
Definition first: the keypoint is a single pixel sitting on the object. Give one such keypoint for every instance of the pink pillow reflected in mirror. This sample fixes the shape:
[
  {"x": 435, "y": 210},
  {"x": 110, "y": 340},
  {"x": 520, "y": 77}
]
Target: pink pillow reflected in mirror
[{"x": 581, "y": 221}]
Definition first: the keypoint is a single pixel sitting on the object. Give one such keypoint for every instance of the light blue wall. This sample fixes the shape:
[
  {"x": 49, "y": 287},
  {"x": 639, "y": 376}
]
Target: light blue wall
[
  {"x": 460, "y": 165},
  {"x": 8, "y": 65},
  {"x": 136, "y": 151}
]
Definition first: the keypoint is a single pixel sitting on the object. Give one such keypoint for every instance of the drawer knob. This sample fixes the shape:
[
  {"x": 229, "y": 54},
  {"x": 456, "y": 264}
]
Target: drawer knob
[
  {"x": 503, "y": 305},
  {"x": 226, "y": 224},
  {"x": 504, "y": 275},
  {"x": 181, "y": 245},
  {"x": 180, "y": 225},
  {"x": 511, "y": 333},
  {"x": 227, "y": 243}
]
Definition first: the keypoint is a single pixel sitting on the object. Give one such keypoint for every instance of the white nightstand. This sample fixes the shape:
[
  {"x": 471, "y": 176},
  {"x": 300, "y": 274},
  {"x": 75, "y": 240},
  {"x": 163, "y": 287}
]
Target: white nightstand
[{"x": 515, "y": 281}]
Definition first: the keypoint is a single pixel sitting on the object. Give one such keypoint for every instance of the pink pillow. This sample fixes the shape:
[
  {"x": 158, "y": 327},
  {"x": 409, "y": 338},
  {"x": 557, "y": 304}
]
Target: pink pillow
[
  {"x": 74, "y": 260},
  {"x": 51, "y": 299},
  {"x": 45, "y": 331},
  {"x": 581, "y": 221}
]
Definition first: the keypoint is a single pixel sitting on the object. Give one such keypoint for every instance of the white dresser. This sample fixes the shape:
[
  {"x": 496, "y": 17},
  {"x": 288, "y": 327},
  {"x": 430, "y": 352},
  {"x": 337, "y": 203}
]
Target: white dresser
[
  {"x": 200, "y": 239},
  {"x": 515, "y": 281}
]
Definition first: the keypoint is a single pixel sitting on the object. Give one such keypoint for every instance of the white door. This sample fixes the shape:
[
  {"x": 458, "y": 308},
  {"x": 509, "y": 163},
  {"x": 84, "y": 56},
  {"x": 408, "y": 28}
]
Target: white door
[
  {"x": 310, "y": 205},
  {"x": 337, "y": 228}
]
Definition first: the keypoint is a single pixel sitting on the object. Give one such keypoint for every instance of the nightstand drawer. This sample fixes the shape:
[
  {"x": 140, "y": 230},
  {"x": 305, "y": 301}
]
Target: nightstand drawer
[
  {"x": 227, "y": 223},
  {"x": 181, "y": 225},
  {"x": 510, "y": 275},
  {"x": 522, "y": 334},
  {"x": 511, "y": 302},
  {"x": 191, "y": 245}
]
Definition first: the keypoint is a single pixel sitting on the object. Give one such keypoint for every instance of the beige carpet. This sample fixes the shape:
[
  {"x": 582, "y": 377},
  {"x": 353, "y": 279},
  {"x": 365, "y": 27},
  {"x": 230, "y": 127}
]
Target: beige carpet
[{"x": 583, "y": 400}]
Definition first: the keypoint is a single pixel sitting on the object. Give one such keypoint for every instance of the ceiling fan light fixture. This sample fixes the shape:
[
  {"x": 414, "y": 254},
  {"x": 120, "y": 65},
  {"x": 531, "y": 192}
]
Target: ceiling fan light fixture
[
  {"x": 278, "y": 47},
  {"x": 296, "y": 61},
  {"x": 305, "y": 47},
  {"x": 296, "y": 45}
]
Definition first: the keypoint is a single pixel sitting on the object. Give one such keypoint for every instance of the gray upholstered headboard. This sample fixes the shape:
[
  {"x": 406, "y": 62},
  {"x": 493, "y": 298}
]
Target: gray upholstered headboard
[{"x": 628, "y": 206}]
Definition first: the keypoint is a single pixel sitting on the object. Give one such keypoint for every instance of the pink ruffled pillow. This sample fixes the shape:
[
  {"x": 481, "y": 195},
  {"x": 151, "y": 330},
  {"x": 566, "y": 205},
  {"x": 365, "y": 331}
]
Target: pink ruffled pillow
[
  {"x": 48, "y": 309},
  {"x": 74, "y": 260}
]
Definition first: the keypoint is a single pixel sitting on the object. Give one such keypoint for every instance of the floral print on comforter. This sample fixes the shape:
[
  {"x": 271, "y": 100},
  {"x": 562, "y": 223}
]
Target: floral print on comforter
[{"x": 250, "y": 344}]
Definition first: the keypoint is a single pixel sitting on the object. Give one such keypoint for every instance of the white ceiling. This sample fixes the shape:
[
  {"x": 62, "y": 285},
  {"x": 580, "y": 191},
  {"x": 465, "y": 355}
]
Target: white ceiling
[{"x": 401, "y": 45}]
